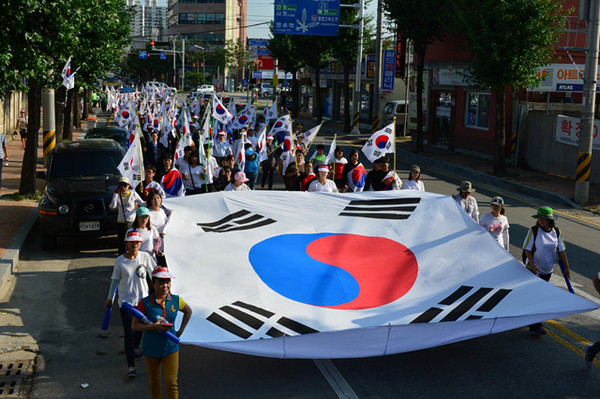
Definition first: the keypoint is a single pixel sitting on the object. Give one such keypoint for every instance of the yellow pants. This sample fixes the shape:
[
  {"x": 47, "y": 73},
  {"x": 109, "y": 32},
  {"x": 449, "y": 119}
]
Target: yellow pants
[{"x": 170, "y": 367}]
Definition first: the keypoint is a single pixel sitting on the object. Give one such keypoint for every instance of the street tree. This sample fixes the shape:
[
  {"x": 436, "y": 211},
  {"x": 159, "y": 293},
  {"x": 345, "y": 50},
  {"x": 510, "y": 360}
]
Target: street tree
[
  {"x": 507, "y": 41},
  {"x": 345, "y": 51},
  {"x": 422, "y": 22},
  {"x": 36, "y": 38},
  {"x": 315, "y": 52},
  {"x": 284, "y": 49}
]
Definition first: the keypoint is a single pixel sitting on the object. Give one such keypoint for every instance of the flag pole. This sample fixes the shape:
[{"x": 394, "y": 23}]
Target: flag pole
[{"x": 394, "y": 141}]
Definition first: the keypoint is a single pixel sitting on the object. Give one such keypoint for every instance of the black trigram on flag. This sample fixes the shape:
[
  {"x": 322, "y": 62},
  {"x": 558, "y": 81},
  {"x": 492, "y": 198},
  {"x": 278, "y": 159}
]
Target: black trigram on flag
[
  {"x": 393, "y": 208},
  {"x": 245, "y": 320},
  {"x": 241, "y": 220},
  {"x": 453, "y": 313}
]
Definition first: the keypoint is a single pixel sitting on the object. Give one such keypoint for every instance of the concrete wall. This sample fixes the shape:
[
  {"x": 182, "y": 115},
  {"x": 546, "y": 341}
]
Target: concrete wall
[{"x": 541, "y": 151}]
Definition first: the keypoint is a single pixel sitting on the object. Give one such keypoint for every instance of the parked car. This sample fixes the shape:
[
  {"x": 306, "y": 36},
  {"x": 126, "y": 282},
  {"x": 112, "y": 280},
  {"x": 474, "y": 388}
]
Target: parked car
[
  {"x": 393, "y": 108},
  {"x": 119, "y": 135},
  {"x": 80, "y": 182},
  {"x": 266, "y": 89},
  {"x": 206, "y": 89}
]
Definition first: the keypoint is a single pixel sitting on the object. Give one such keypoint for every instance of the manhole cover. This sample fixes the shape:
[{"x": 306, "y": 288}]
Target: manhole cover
[{"x": 13, "y": 375}]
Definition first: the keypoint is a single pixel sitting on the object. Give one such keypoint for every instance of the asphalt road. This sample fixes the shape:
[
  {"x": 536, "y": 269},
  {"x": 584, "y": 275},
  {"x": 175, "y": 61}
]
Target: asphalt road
[{"x": 60, "y": 298}]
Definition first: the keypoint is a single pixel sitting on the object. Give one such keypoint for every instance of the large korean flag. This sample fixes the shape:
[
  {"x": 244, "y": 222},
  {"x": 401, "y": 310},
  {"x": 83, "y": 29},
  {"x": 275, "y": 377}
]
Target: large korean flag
[{"x": 346, "y": 275}]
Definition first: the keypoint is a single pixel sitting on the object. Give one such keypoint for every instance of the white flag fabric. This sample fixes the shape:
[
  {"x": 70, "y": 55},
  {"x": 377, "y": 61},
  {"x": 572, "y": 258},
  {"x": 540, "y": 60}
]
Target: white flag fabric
[
  {"x": 132, "y": 164},
  {"x": 271, "y": 113},
  {"x": 365, "y": 274},
  {"x": 380, "y": 143},
  {"x": 220, "y": 113},
  {"x": 331, "y": 154},
  {"x": 310, "y": 135},
  {"x": 68, "y": 77},
  {"x": 261, "y": 144}
]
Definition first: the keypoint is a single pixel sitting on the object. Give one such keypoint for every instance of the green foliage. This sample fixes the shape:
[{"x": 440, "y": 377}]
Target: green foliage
[
  {"x": 38, "y": 36},
  {"x": 509, "y": 39},
  {"x": 421, "y": 21}
]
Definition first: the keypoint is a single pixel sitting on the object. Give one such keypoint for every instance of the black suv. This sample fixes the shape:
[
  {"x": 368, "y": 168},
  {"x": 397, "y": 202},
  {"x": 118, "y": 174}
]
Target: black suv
[{"x": 82, "y": 176}]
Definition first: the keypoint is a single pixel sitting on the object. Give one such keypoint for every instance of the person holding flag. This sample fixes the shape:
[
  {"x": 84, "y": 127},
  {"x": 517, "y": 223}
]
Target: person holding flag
[
  {"x": 380, "y": 143},
  {"x": 162, "y": 307},
  {"x": 337, "y": 166},
  {"x": 129, "y": 274}
]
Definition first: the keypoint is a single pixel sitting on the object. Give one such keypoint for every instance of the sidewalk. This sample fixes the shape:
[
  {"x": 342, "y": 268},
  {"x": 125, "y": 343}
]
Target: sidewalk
[{"x": 17, "y": 217}]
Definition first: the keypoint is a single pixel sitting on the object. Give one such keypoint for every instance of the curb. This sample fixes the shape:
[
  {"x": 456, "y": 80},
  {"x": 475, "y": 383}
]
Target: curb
[{"x": 8, "y": 262}]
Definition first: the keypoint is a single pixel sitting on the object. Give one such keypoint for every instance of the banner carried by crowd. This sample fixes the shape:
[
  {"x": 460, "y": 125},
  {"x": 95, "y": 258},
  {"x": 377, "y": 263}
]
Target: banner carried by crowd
[{"x": 346, "y": 275}]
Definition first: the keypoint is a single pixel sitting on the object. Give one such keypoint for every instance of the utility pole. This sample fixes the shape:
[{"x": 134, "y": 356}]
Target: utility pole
[
  {"x": 360, "y": 26},
  {"x": 584, "y": 153},
  {"x": 183, "y": 64},
  {"x": 174, "y": 61},
  {"x": 377, "y": 82},
  {"x": 358, "y": 65}
]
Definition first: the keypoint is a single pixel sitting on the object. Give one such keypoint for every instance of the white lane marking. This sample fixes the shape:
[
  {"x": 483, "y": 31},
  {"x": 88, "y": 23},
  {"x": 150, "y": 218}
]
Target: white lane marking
[{"x": 335, "y": 379}]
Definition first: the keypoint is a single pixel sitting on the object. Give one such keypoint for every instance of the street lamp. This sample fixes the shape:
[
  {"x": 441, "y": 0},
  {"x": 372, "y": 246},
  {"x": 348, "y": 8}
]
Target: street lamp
[{"x": 203, "y": 62}]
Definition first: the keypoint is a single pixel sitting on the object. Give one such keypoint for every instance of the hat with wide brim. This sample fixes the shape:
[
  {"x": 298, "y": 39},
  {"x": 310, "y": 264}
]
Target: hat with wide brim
[
  {"x": 545, "y": 212},
  {"x": 466, "y": 187}
]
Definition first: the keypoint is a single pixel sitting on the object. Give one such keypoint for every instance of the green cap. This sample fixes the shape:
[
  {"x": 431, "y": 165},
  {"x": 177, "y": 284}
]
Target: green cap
[{"x": 545, "y": 212}]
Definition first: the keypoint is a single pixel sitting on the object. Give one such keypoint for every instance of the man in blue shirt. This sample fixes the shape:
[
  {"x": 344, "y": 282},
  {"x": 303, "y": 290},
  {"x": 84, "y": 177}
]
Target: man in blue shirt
[
  {"x": 221, "y": 147},
  {"x": 251, "y": 166}
]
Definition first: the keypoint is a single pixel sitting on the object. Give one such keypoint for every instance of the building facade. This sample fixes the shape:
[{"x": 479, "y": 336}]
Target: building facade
[{"x": 149, "y": 21}]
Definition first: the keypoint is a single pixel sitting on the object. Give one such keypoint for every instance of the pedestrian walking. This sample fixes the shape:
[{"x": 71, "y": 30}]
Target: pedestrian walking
[
  {"x": 21, "y": 128},
  {"x": 496, "y": 223},
  {"x": 3, "y": 152},
  {"x": 542, "y": 245},
  {"x": 592, "y": 350},
  {"x": 129, "y": 274},
  {"x": 414, "y": 181},
  {"x": 158, "y": 350},
  {"x": 465, "y": 200},
  {"x": 125, "y": 201}
]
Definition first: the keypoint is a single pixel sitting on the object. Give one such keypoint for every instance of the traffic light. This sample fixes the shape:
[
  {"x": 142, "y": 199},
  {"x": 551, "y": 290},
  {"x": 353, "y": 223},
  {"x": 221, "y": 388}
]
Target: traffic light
[{"x": 152, "y": 43}]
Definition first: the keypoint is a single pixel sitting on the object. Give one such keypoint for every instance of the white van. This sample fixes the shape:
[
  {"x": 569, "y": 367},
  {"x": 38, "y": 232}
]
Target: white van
[{"x": 393, "y": 108}]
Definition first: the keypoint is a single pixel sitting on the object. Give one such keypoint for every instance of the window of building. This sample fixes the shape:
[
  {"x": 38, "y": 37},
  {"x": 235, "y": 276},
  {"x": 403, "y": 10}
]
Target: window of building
[{"x": 477, "y": 113}]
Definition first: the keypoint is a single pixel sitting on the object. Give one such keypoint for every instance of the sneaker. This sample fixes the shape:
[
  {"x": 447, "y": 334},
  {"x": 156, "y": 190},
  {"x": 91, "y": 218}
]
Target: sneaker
[
  {"x": 587, "y": 357},
  {"x": 138, "y": 354},
  {"x": 131, "y": 372},
  {"x": 540, "y": 331}
]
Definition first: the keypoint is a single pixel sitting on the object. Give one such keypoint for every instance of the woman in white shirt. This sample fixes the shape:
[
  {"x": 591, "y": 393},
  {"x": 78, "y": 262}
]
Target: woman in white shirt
[
  {"x": 193, "y": 175},
  {"x": 414, "y": 180},
  {"x": 496, "y": 223},
  {"x": 239, "y": 183},
  {"x": 150, "y": 238},
  {"x": 322, "y": 183}
]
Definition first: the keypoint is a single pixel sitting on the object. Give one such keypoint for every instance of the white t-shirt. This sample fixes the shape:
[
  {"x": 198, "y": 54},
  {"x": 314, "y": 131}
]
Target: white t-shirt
[
  {"x": 192, "y": 177},
  {"x": 231, "y": 187},
  {"x": 546, "y": 244},
  {"x": 181, "y": 164},
  {"x": 148, "y": 237},
  {"x": 497, "y": 227},
  {"x": 328, "y": 187},
  {"x": 132, "y": 274},
  {"x": 469, "y": 205},
  {"x": 158, "y": 219},
  {"x": 413, "y": 185}
]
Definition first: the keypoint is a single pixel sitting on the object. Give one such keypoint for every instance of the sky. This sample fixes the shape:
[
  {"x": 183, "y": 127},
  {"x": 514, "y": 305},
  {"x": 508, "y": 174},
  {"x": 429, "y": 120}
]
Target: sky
[{"x": 262, "y": 11}]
